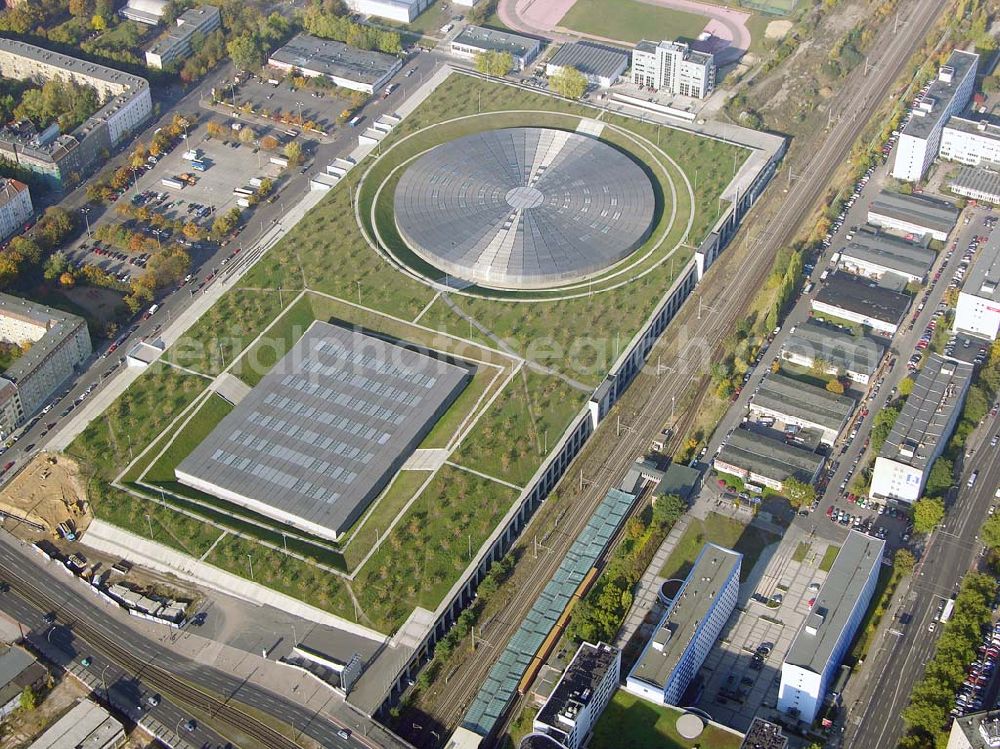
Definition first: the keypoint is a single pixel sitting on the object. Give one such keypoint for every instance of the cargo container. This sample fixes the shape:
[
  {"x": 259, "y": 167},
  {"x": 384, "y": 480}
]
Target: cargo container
[{"x": 174, "y": 183}]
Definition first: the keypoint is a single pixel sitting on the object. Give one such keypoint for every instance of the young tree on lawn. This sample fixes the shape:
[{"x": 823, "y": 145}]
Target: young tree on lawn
[
  {"x": 569, "y": 82},
  {"x": 799, "y": 493},
  {"x": 927, "y": 514},
  {"x": 293, "y": 152}
]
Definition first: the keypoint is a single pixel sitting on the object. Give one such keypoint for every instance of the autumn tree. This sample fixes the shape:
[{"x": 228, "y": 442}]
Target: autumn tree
[{"x": 568, "y": 82}]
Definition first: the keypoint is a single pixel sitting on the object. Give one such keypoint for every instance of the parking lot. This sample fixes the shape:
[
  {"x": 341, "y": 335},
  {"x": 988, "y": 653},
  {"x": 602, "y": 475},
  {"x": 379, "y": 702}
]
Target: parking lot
[
  {"x": 269, "y": 101},
  {"x": 743, "y": 670}
]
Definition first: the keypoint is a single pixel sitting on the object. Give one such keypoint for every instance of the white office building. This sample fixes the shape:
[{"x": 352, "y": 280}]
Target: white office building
[
  {"x": 949, "y": 94},
  {"x": 975, "y": 731},
  {"x": 673, "y": 67},
  {"x": 819, "y": 647},
  {"x": 978, "y": 308},
  {"x": 921, "y": 430},
  {"x": 476, "y": 40},
  {"x": 689, "y": 627},
  {"x": 977, "y": 183},
  {"x": 15, "y": 206},
  {"x": 970, "y": 142},
  {"x": 402, "y": 11},
  {"x": 176, "y": 43},
  {"x": 580, "y": 696}
]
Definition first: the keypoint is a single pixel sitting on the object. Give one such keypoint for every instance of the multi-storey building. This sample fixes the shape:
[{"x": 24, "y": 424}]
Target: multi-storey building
[
  {"x": 580, "y": 696},
  {"x": 970, "y": 142},
  {"x": 58, "y": 343},
  {"x": 921, "y": 430},
  {"x": 127, "y": 105},
  {"x": 949, "y": 94},
  {"x": 673, "y": 67},
  {"x": 15, "y": 206},
  {"x": 978, "y": 309},
  {"x": 176, "y": 43},
  {"x": 820, "y": 645},
  {"x": 689, "y": 627}
]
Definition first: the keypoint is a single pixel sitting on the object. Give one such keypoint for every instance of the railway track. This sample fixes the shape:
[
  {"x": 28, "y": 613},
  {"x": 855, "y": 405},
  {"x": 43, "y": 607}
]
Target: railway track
[
  {"x": 179, "y": 692},
  {"x": 726, "y": 289}
]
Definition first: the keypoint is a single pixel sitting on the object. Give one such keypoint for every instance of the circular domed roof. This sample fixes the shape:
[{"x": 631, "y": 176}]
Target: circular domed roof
[
  {"x": 524, "y": 207},
  {"x": 690, "y": 726}
]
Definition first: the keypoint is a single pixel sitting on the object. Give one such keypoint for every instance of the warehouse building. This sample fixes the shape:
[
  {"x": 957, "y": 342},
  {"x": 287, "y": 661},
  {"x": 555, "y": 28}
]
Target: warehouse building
[
  {"x": 176, "y": 43},
  {"x": 857, "y": 300},
  {"x": 688, "y": 628},
  {"x": 61, "y": 157},
  {"x": 86, "y": 725},
  {"x": 15, "y": 207},
  {"x": 837, "y": 351},
  {"x": 922, "y": 430},
  {"x": 975, "y": 731},
  {"x": 875, "y": 255},
  {"x": 820, "y": 646},
  {"x": 402, "y": 11},
  {"x": 970, "y": 142},
  {"x": 474, "y": 40},
  {"x": 585, "y": 689},
  {"x": 803, "y": 405},
  {"x": 59, "y": 343},
  {"x": 765, "y": 461},
  {"x": 18, "y": 671},
  {"x": 977, "y": 184},
  {"x": 322, "y": 434},
  {"x": 913, "y": 214},
  {"x": 673, "y": 67},
  {"x": 602, "y": 65},
  {"x": 949, "y": 94},
  {"x": 345, "y": 66},
  {"x": 978, "y": 309}
]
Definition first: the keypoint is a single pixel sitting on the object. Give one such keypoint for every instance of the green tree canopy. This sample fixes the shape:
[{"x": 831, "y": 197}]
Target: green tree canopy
[
  {"x": 882, "y": 426},
  {"x": 568, "y": 82},
  {"x": 798, "y": 493},
  {"x": 927, "y": 513},
  {"x": 904, "y": 561},
  {"x": 246, "y": 53},
  {"x": 989, "y": 534},
  {"x": 496, "y": 64},
  {"x": 940, "y": 478}
]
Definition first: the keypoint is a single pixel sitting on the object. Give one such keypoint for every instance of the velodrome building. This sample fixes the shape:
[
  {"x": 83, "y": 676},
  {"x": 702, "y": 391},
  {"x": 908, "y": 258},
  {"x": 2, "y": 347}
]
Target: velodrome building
[{"x": 323, "y": 433}]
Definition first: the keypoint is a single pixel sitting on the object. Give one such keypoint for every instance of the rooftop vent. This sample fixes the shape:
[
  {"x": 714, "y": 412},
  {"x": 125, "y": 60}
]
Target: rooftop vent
[{"x": 946, "y": 74}]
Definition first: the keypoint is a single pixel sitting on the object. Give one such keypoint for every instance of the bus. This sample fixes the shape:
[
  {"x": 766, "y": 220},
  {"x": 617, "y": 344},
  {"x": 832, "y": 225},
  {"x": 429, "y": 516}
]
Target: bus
[{"x": 949, "y": 606}]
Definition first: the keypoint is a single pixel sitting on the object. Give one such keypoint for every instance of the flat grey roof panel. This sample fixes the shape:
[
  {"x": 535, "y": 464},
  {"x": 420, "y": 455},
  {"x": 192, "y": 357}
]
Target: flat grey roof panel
[
  {"x": 940, "y": 95},
  {"x": 932, "y": 213},
  {"x": 863, "y": 297},
  {"x": 591, "y": 59},
  {"x": 337, "y": 59}
]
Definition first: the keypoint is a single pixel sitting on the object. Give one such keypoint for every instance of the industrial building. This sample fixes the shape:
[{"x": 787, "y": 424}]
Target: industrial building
[
  {"x": 176, "y": 43},
  {"x": 317, "y": 440},
  {"x": 949, "y": 94},
  {"x": 61, "y": 157},
  {"x": 689, "y": 627},
  {"x": 765, "y": 461},
  {"x": 978, "y": 309},
  {"x": 763, "y": 734},
  {"x": 345, "y": 66},
  {"x": 524, "y": 207},
  {"x": 673, "y": 67},
  {"x": 59, "y": 343},
  {"x": 837, "y": 351},
  {"x": 913, "y": 214},
  {"x": 800, "y": 404},
  {"x": 18, "y": 671},
  {"x": 15, "y": 207},
  {"x": 580, "y": 696},
  {"x": 970, "y": 142},
  {"x": 402, "y": 11},
  {"x": 921, "y": 430},
  {"x": 875, "y": 255},
  {"x": 975, "y": 731},
  {"x": 474, "y": 40},
  {"x": 148, "y": 12},
  {"x": 826, "y": 634},
  {"x": 600, "y": 64},
  {"x": 86, "y": 725},
  {"x": 976, "y": 184},
  {"x": 860, "y": 301}
]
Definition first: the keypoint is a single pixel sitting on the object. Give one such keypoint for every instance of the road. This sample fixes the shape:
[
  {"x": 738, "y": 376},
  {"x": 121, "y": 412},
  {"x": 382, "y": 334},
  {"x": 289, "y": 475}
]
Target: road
[
  {"x": 728, "y": 285},
  {"x": 189, "y": 685}
]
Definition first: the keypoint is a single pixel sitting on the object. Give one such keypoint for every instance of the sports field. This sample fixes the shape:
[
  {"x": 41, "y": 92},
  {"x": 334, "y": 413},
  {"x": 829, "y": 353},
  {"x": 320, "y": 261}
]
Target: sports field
[
  {"x": 537, "y": 361},
  {"x": 631, "y": 21}
]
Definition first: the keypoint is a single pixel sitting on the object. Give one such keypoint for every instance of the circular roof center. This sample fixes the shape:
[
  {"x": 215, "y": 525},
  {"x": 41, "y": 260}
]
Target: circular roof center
[{"x": 524, "y": 197}]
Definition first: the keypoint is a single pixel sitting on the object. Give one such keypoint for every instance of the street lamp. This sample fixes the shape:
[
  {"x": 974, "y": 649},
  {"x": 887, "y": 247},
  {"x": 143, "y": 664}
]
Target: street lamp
[
  {"x": 250, "y": 558},
  {"x": 85, "y": 211}
]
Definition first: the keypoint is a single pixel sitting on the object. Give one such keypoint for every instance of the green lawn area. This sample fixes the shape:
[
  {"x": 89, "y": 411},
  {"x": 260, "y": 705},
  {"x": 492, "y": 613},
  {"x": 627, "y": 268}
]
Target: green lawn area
[
  {"x": 259, "y": 359},
  {"x": 721, "y": 530},
  {"x": 629, "y": 721},
  {"x": 826, "y": 564},
  {"x": 375, "y": 524},
  {"x": 632, "y": 21},
  {"x": 801, "y": 551},
  {"x": 204, "y": 420}
]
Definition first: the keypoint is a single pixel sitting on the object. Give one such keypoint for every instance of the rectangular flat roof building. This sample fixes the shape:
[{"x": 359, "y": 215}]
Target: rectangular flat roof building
[
  {"x": 346, "y": 66},
  {"x": 874, "y": 254},
  {"x": 476, "y": 39},
  {"x": 978, "y": 308},
  {"x": 913, "y": 214},
  {"x": 176, "y": 43},
  {"x": 86, "y": 725},
  {"x": 975, "y": 731},
  {"x": 601, "y": 64},
  {"x": 766, "y": 461},
  {"x": 977, "y": 183},
  {"x": 857, "y": 356},
  {"x": 970, "y": 141},
  {"x": 922, "y": 429},
  {"x": 801, "y": 404},
  {"x": 858, "y": 300},
  {"x": 321, "y": 435},
  {"x": 763, "y": 734},
  {"x": 689, "y": 627},
  {"x": 819, "y": 647},
  {"x": 402, "y": 11}
]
